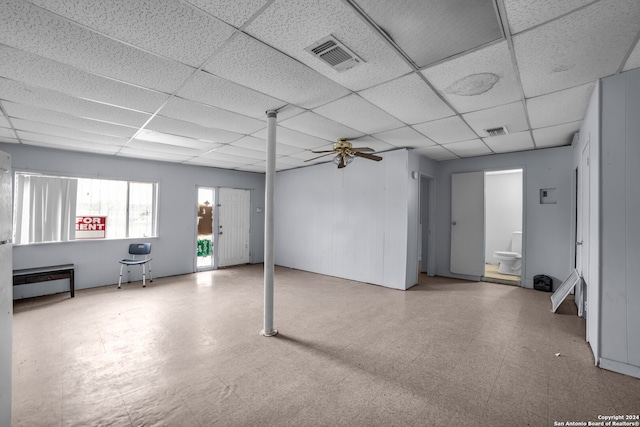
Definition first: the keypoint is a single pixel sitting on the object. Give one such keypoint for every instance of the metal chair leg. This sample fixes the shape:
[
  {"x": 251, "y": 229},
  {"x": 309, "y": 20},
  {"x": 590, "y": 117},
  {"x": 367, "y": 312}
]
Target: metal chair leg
[
  {"x": 150, "y": 276},
  {"x": 143, "y": 283},
  {"x": 120, "y": 279}
]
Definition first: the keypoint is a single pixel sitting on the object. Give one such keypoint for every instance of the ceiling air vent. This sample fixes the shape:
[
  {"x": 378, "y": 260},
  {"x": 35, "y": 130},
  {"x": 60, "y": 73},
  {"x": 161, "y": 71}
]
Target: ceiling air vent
[
  {"x": 334, "y": 53},
  {"x": 502, "y": 130}
]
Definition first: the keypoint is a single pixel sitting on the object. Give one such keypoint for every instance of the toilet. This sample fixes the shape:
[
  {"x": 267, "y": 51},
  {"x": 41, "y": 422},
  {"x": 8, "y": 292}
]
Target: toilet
[{"x": 511, "y": 262}]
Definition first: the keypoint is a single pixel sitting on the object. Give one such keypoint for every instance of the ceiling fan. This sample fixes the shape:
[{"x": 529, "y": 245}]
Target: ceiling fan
[{"x": 345, "y": 153}]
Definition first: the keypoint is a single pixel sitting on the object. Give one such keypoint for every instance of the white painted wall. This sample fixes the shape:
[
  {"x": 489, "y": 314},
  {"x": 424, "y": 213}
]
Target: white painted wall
[
  {"x": 173, "y": 250},
  {"x": 503, "y": 211},
  {"x": 547, "y": 228},
  {"x": 352, "y": 223},
  {"x": 620, "y": 232}
]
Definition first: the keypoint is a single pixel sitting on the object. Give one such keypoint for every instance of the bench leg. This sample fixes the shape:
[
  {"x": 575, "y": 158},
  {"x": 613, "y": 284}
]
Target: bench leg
[{"x": 120, "y": 279}]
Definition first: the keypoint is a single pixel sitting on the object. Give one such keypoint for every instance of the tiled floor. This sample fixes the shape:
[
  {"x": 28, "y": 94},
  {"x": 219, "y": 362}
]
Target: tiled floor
[
  {"x": 491, "y": 274},
  {"x": 185, "y": 351}
]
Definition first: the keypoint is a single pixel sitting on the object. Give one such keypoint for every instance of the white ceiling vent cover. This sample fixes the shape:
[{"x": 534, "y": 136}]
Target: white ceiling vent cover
[
  {"x": 502, "y": 130},
  {"x": 334, "y": 53}
]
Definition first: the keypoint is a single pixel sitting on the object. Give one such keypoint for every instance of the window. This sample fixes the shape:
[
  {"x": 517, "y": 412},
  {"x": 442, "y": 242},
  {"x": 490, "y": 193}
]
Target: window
[{"x": 58, "y": 209}]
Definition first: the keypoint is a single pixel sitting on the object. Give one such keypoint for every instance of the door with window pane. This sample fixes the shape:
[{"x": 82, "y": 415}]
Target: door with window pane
[{"x": 205, "y": 237}]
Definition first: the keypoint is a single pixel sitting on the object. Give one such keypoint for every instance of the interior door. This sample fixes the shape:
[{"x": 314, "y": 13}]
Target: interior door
[
  {"x": 234, "y": 226},
  {"x": 467, "y": 223}
]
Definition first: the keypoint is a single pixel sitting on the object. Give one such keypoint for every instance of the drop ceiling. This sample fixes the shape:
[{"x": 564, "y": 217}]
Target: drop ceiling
[{"x": 190, "y": 81}]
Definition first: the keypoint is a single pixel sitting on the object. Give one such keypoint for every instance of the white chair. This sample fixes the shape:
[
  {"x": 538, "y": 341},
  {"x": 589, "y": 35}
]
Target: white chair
[{"x": 141, "y": 249}]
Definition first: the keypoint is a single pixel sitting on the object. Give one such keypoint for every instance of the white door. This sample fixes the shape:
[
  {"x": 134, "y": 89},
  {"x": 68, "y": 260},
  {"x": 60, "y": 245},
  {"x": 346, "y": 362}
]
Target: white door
[
  {"x": 467, "y": 223},
  {"x": 233, "y": 226}
]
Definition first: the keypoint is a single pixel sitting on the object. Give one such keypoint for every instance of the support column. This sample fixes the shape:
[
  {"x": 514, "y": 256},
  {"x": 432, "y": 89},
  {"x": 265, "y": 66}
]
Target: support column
[{"x": 269, "y": 263}]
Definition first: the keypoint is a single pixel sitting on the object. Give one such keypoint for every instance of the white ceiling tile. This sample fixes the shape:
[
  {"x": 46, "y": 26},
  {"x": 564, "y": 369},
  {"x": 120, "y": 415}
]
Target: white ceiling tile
[
  {"x": 215, "y": 155},
  {"x": 50, "y": 141},
  {"x": 279, "y": 75},
  {"x": 559, "y": 107},
  {"x": 212, "y": 117},
  {"x": 215, "y": 163},
  {"x": 443, "y": 131},
  {"x": 450, "y": 27},
  {"x": 241, "y": 152},
  {"x": 555, "y": 136},
  {"x": 260, "y": 144},
  {"x": 167, "y": 27},
  {"x": 64, "y": 132},
  {"x": 291, "y": 161},
  {"x": 475, "y": 147},
  {"x": 143, "y": 153},
  {"x": 292, "y": 138},
  {"x": 218, "y": 92},
  {"x": 510, "y": 142},
  {"x": 192, "y": 130},
  {"x": 37, "y": 71},
  {"x": 159, "y": 147},
  {"x": 510, "y": 115},
  {"x": 233, "y": 12},
  {"x": 3, "y": 120},
  {"x": 279, "y": 165},
  {"x": 409, "y": 99},
  {"x": 52, "y": 100},
  {"x": 313, "y": 124},
  {"x": 404, "y": 137},
  {"x": 634, "y": 59},
  {"x": 35, "y": 114},
  {"x": 28, "y": 27},
  {"x": 292, "y": 25},
  {"x": 481, "y": 79},
  {"x": 253, "y": 168},
  {"x": 6, "y": 133},
  {"x": 170, "y": 139},
  {"x": 578, "y": 48},
  {"x": 437, "y": 152},
  {"x": 523, "y": 14},
  {"x": 359, "y": 114}
]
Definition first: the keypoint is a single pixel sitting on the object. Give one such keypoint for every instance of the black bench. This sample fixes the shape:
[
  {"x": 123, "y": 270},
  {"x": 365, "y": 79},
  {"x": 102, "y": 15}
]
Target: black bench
[{"x": 44, "y": 274}]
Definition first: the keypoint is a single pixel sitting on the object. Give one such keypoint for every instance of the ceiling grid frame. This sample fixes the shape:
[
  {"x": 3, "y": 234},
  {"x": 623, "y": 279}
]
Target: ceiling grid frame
[{"x": 22, "y": 95}]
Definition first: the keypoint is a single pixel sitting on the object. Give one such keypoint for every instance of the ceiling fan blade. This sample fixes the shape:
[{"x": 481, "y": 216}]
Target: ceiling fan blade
[
  {"x": 361, "y": 149},
  {"x": 329, "y": 153},
  {"x": 325, "y": 151},
  {"x": 368, "y": 156},
  {"x": 341, "y": 164}
]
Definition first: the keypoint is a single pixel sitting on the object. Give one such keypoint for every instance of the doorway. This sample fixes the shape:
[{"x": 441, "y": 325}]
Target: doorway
[
  {"x": 503, "y": 208},
  {"x": 205, "y": 237}
]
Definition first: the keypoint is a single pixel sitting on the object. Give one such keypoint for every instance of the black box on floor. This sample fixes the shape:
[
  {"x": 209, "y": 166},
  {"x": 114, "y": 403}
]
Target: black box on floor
[{"x": 543, "y": 283}]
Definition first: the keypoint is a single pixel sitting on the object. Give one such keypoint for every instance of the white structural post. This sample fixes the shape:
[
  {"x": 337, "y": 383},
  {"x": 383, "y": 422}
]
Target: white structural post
[{"x": 269, "y": 263}]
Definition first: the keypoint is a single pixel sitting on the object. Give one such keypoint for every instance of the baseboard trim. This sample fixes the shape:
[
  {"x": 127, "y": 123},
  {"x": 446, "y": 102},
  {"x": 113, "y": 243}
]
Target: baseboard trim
[{"x": 620, "y": 367}]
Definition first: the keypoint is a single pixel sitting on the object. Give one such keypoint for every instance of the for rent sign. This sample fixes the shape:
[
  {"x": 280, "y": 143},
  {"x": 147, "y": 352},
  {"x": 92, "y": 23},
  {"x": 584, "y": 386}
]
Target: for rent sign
[{"x": 91, "y": 227}]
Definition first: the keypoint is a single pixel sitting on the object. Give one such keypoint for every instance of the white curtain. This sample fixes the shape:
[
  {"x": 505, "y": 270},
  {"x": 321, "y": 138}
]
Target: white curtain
[{"x": 45, "y": 209}]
